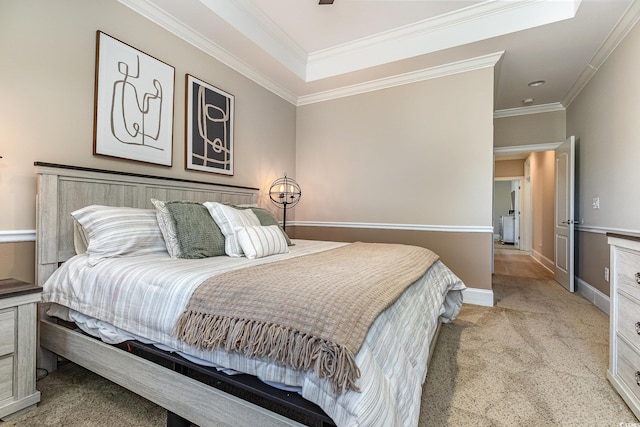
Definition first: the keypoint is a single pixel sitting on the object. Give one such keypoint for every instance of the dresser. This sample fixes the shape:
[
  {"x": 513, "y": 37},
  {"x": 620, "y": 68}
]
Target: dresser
[
  {"x": 18, "y": 305},
  {"x": 624, "y": 340}
]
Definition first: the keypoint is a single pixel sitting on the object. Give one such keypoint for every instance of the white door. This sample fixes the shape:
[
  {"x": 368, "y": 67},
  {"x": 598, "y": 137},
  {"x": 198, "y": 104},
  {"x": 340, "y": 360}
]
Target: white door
[{"x": 564, "y": 213}]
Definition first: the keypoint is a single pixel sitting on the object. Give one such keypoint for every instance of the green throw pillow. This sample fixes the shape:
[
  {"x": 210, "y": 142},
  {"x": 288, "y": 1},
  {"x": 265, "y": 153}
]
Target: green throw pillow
[{"x": 198, "y": 234}]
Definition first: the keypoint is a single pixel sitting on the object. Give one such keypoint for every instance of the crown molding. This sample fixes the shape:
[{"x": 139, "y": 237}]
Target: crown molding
[
  {"x": 617, "y": 34},
  {"x": 467, "y": 25},
  {"x": 186, "y": 33},
  {"x": 403, "y": 79},
  {"x": 254, "y": 24},
  {"x": 525, "y": 111}
]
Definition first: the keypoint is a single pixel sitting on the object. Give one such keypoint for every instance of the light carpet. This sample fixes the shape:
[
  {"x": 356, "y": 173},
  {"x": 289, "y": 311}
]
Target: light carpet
[{"x": 538, "y": 358}]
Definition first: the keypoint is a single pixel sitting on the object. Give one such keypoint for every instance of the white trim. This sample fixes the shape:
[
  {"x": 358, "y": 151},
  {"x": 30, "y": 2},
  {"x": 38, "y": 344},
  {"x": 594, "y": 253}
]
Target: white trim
[
  {"x": 509, "y": 178},
  {"x": 254, "y": 24},
  {"x": 480, "y": 21},
  {"x": 530, "y": 148},
  {"x": 439, "y": 71},
  {"x": 604, "y": 230},
  {"x": 543, "y": 261},
  {"x": 385, "y": 226},
  {"x": 525, "y": 111},
  {"x": 477, "y": 296},
  {"x": 13, "y": 236},
  {"x": 186, "y": 33},
  {"x": 619, "y": 32},
  {"x": 594, "y": 296}
]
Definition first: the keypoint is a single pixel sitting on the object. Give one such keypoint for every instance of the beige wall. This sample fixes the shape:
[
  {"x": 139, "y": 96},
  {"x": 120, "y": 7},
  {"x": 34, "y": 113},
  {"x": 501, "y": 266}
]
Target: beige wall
[
  {"x": 543, "y": 205},
  {"x": 400, "y": 156},
  {"x": 47, "y": 96},
  {"x": 604, "y": 117},
  {"x": 17, "y": 260},
  {"x": 508, "y": 168},
  {"x": 540, "y": 128},
  {"x": 466, "y": 254}
]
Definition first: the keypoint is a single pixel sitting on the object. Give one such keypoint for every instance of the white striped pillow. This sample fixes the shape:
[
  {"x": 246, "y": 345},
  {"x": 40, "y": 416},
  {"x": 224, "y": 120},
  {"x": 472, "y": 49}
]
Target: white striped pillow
[
  {"x": 119, "y": 231},
  {"x": 259, "y": 241},
  {"x": 229, "y": 219}
]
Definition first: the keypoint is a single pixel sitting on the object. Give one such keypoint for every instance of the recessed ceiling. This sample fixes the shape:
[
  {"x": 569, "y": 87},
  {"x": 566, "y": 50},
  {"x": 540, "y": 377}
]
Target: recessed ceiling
[{"x": 306, "y": 52}]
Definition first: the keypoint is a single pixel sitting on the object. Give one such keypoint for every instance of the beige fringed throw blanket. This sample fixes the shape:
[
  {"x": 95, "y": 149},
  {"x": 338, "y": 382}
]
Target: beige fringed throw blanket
[{"x": 311, "y": 312}]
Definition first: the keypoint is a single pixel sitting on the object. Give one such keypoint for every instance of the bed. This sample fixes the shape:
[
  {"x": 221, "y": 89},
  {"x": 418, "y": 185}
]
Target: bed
[{"x": 379, "y": 385}]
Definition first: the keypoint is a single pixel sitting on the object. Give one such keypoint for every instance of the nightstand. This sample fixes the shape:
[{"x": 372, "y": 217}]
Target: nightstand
[{"x": 18, "y": 308}]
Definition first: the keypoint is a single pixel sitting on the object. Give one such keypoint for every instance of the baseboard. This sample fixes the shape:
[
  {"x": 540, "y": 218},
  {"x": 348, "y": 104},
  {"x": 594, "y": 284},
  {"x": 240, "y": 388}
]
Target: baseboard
[
  {"x": 544, "y": 261},
  {"x": 477, "y": 296},
  {"x": 593, "y": 295}
]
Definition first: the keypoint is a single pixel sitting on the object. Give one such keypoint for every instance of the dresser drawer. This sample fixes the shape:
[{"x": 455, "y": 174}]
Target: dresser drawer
[
  {"x": 6, "y": 377},
  {"x": 629, "y": 320},
  {"x": 7, "y": 331},
  {"x": 629, "y": 367},
  {"x": 628, "y": 265}
]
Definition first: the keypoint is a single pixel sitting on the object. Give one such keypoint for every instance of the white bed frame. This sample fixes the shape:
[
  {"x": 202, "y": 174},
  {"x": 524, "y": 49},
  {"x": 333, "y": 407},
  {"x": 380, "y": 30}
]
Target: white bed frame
[{"x": 61, "y": 190}]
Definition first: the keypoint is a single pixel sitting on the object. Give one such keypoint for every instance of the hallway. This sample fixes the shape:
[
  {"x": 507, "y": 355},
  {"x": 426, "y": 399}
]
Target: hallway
[{"x": 511, "y": 262}]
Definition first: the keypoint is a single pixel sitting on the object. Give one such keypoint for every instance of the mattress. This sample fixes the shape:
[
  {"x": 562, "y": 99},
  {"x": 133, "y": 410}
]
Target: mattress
[{"x": 141, "y": 298}]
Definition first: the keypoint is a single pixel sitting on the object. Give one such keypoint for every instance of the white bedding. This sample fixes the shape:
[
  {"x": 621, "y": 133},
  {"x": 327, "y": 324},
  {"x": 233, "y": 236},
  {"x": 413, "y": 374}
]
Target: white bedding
[{"x": 144, "y": 295}]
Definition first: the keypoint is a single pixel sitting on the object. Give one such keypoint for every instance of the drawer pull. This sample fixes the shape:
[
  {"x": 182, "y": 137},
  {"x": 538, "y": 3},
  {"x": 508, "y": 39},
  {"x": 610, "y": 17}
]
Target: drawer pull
[
  {"x": 638, "y": 377},
  {"x": 638, "y": 328},
  {"x": 638, "y": 277}
]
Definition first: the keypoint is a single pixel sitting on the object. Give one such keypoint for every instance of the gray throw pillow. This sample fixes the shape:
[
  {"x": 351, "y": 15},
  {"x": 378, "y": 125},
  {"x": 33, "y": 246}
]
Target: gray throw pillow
[{"x": 198, "y": 234}]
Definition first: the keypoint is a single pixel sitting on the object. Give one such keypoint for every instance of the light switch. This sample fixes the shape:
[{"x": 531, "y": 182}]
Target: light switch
[{"x": 596, "y": 203}]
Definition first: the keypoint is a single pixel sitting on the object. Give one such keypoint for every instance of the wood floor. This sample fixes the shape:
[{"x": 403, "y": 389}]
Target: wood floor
[{"x": 513, "y": 262}]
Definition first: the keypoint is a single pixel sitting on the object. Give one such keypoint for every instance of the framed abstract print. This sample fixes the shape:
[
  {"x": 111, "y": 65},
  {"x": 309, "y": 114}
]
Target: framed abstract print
[
  {"x": 208, "y": 127},
  {"x": 133, "y": 104}
]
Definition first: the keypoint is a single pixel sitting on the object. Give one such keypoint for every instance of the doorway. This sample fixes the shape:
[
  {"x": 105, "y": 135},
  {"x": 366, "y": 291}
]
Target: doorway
[
  {"x": 536, "y": 166},
  {"x": 508, "y": 213}
]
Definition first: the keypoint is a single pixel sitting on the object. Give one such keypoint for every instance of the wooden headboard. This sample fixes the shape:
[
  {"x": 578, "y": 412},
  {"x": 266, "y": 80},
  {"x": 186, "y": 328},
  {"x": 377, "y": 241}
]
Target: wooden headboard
[{"x": 61, "y": 189}]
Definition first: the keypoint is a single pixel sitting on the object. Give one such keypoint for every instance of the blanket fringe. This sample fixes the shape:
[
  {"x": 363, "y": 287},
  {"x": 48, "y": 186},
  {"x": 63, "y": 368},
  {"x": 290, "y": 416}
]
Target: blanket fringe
[{"x": 259, "y": 339}]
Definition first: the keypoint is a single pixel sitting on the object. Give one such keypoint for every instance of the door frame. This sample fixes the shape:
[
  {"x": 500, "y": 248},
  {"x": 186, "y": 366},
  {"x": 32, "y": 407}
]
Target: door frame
[
  {"x": 521, "y": 150},
  {"x": 527, "y": 228},
  {"x": 519, "y": 208}
]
